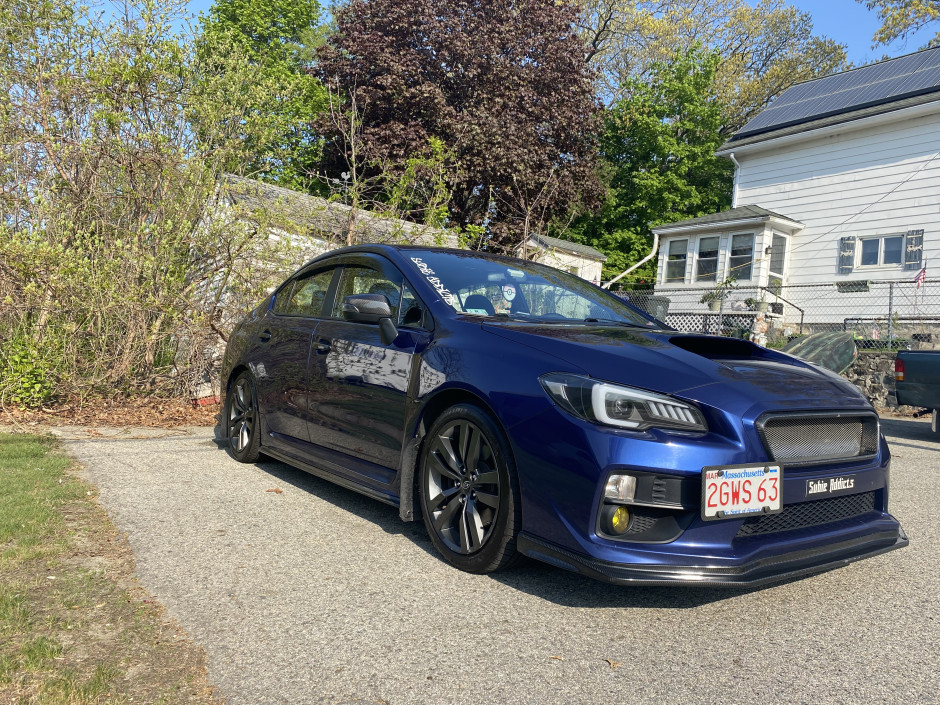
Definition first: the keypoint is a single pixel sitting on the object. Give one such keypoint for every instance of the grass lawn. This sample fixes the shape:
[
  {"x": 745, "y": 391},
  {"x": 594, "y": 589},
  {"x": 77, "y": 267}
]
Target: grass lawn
[{"x": 74, "y": 625}]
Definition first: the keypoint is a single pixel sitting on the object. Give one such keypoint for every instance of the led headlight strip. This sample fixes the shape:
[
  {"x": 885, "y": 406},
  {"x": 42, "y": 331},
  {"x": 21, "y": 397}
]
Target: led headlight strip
[{"x": 617, "y": 405}]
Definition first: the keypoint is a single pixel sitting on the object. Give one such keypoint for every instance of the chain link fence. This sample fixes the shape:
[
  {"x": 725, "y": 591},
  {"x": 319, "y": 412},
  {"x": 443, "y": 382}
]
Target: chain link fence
[{"x": 881, "y": 315}]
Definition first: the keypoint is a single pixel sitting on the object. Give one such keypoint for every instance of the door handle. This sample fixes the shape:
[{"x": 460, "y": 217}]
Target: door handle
[
  {"x": 264, "y": 336},
  {"x": 323, "y": 346}
]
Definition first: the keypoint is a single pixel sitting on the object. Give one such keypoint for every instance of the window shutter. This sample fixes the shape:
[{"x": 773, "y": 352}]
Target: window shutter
[
  {"x": 914, "y": 252},
  {"x": 846, "y": 254}
]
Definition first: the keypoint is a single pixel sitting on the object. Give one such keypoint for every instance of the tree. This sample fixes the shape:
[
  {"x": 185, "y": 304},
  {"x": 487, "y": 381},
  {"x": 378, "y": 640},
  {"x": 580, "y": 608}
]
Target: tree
[
  {"x": 765, "y": 48},
  {"x": 114, "y": 137},
  {"x": 658, "y": 143},
  {"x": 504, "y": 86},
  {"x": 901, "y": 18},
  {"x": 277, "y": 38}
]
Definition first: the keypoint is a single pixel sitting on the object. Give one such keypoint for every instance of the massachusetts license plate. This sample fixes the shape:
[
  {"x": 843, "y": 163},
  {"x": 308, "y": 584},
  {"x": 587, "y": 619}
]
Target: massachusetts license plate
[{"x": 741, "y": 490}]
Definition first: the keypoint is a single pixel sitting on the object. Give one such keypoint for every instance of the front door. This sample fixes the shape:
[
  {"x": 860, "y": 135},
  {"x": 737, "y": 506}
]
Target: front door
[{"x": 359, "y": 384}]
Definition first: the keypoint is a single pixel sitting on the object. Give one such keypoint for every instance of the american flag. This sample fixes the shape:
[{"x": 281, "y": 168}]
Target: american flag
[{"x": 921, "y": 276}]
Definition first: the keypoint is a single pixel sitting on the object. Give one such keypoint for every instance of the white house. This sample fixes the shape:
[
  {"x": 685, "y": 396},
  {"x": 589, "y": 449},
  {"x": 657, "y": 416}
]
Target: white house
[
  {"x": 573, "y": 257},
  {"x": 837, "y": 180}
]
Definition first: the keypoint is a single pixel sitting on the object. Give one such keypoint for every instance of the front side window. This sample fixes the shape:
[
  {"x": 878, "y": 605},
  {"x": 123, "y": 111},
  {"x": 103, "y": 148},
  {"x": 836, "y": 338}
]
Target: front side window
[
  {"x": 707, "y": 268},
  {"x": 675, "y": 260},
  {"x": 742, "y": 257},
  {"x": 356, "y": 279}
]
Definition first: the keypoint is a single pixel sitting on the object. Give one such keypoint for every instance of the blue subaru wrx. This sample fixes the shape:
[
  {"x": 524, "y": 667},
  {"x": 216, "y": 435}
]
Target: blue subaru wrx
[{"x": 521, "y": 410}]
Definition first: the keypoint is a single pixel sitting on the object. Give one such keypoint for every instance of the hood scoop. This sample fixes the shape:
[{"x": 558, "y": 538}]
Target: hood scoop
[{"x": 717, "y": 348}]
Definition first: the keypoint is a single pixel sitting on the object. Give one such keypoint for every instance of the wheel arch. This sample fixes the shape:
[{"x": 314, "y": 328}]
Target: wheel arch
[{"x": 432, "y": 408}]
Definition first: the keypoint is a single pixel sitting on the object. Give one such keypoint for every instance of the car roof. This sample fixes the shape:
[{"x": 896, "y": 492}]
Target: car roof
[{"x": 385, "y": 248}]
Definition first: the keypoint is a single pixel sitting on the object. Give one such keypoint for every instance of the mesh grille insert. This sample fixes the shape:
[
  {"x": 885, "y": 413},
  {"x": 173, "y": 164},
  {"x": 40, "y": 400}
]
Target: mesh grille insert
[
  {"x": 806, "y": 440},
  {"x": 804, "y": 514}
]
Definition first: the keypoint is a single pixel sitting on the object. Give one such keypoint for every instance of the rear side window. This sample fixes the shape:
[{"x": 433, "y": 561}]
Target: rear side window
[{"x": 305, "y": 295}]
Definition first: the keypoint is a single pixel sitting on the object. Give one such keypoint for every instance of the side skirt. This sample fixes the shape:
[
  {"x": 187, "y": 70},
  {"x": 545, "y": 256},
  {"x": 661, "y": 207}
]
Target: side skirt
[{"x": 385, "y": 497}]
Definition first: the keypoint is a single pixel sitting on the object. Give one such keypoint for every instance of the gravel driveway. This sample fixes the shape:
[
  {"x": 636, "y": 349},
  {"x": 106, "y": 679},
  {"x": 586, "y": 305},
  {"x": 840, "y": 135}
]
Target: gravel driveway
[{"x": 303, "y": 592}]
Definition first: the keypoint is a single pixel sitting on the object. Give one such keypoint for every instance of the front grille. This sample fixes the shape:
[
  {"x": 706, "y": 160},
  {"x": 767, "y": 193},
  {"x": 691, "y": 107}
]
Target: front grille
[
  {"x": 808, "y": 439},
  {"x": 806, "y": 514}
]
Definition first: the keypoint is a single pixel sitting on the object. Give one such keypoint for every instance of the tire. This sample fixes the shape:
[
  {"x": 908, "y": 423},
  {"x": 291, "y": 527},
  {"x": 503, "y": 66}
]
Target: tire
[
  {"x": 468, "y": 491},
  {"x": 242, "y": 420}
]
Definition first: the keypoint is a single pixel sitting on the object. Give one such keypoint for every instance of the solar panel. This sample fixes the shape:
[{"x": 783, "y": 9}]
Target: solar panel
[{"x": 883, "y": 82}]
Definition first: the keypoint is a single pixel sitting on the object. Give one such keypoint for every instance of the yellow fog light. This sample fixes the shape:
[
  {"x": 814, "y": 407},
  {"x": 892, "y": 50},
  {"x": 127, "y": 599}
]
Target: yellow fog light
[{"x": 616, "y": 519}]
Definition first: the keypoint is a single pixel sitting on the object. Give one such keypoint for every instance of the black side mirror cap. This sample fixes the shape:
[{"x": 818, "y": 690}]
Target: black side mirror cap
[
  {"x": 371, "y": 308},
  {"x": 387, "y": 331},
  {"x": 366, "y": 308}
]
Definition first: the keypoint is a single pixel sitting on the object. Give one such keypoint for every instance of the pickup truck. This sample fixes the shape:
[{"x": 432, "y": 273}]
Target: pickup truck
[{"x": 917, "y": 380}]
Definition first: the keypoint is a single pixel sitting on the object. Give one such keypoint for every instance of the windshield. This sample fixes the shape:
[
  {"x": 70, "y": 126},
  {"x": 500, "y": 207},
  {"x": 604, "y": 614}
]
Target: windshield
[{"x": 502, "y": 286}]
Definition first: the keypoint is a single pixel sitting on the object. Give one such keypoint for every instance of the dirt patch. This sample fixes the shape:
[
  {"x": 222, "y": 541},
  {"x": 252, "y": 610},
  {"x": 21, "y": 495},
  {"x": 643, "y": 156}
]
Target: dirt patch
[{"x": 139, "y": 412}]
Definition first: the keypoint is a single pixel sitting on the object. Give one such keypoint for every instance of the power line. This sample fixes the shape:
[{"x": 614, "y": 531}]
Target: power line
[{"x": 879, "y": 200}]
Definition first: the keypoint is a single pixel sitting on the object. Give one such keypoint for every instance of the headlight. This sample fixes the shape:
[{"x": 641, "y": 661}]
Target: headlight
[{"x": 615, "y": 405}]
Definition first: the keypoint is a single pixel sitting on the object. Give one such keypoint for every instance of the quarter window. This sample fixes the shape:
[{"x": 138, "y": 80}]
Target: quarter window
[
  {"x": 675, "y": 260},
  {"x": 412, "y": 312}
]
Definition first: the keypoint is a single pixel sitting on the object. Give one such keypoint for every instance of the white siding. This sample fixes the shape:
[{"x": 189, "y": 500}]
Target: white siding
[
  {"x": 865, "y": 182},
  {"x": 580, "y": 265}
]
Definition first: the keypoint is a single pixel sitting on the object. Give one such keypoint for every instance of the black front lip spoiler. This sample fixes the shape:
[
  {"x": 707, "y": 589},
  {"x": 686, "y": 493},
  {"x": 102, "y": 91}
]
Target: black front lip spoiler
[{"x": 752, "y": 574}]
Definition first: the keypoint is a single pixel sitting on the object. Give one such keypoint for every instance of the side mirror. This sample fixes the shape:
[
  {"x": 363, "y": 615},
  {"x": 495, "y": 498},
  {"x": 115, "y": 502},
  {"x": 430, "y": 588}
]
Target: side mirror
[
  {"x": 371, "y": 308},
  {"x": 366, "y": 308}
]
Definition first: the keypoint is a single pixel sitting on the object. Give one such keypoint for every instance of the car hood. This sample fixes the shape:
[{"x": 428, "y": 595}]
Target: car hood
[{"x": 698, "y": 367}]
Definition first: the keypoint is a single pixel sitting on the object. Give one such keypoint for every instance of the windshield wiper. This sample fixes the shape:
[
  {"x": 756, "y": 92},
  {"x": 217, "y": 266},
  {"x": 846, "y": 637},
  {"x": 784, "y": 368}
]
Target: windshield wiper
[{"x": 627, "y": 324}]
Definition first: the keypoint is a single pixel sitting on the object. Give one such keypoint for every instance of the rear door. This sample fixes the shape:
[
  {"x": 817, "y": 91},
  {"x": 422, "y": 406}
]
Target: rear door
[
  {"x": 283, "y": 354},
  {"x": 359, "y": 384}
]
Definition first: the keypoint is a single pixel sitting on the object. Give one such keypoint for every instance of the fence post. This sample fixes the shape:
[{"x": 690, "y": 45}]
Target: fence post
[{"x": 890, "y": 314}]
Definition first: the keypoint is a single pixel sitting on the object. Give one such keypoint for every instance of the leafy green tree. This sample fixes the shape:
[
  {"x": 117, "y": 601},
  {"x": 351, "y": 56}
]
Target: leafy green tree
[
  {"x": 658, "y": 144},
  {"x": 765, "y": 47},
  {"x": 504, "y": 86},
  {"x": 901, "y": 18},
  {"x": 277, "y": 38},
  {"x": 114, "y": 137}
]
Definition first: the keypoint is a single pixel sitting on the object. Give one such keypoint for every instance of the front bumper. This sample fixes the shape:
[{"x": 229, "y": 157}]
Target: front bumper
[{"x": 752, "y": 573}]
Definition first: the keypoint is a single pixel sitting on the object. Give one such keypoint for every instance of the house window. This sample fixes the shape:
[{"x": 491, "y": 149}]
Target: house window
[
  {"x": 707, "y": 265},
  {"x": 905, "y": 250},
  {"x": 675, "y": 260},
  {"x": 778, "y": 261},
  {"x": 742, "y": 256},
  {"x": 882, "y": 250}
]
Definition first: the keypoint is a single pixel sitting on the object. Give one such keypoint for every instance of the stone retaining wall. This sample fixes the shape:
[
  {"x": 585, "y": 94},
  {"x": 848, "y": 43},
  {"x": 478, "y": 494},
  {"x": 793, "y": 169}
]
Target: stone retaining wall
[{"x": 873, "y": 373}]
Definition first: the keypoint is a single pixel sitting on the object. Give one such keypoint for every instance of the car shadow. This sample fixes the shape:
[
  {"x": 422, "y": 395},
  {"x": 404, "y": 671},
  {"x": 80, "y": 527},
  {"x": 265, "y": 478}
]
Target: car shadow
[
  {"x": 527, "y": 575},
  {"x": 574, "y": 590},
  {"x": 383, "y": 515},
  {"x": 898, "y": 431}
]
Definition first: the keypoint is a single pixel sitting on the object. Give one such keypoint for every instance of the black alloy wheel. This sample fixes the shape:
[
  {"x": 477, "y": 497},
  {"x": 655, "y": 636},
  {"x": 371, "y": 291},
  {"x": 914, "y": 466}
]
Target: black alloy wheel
[
  {"x": 468, "y": 491},
  {"x": 241, "y": 420}
]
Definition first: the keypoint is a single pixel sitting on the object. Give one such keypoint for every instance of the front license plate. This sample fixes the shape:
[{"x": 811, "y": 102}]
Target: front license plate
[{"x": 741, "y": 490}]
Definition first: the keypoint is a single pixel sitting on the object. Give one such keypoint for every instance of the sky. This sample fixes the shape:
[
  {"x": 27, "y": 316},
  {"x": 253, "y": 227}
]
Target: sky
[
  {"x": 846, "y": 21},
  {"x": 851, "y": 23}
]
